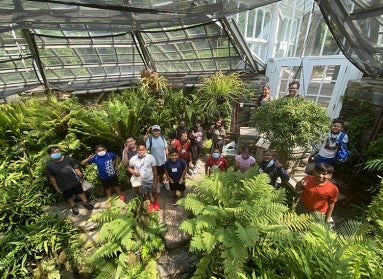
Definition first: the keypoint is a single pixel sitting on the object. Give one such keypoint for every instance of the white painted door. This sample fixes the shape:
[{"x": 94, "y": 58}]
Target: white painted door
[{"x": 323, "y": 79}]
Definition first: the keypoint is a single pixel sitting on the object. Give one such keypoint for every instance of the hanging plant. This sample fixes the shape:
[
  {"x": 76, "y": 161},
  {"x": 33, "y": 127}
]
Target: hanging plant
[
  {"x": 153, "y": 82},
  {"x": 219, "y": 92}
]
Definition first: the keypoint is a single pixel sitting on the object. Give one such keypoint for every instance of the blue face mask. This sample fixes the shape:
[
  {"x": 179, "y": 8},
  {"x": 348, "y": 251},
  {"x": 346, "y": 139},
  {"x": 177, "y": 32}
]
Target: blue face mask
[
  {"x": 215, "y": 155},
  {"x": 56, "y": 156}
]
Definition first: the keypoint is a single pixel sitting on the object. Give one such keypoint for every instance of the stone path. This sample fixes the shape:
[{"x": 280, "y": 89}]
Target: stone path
[{"x": 175, "y": 261}]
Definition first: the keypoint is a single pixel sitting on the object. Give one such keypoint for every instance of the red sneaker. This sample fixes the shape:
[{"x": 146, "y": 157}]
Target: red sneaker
[
  {"x": 156, "y": 206},
  {"x": 123, "y": 198},
  {"x": 151, "y": 207}
]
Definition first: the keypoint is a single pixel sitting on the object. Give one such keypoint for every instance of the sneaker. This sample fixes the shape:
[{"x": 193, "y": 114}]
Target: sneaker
[
  {"x": 174, "y": 201},
  {"x": 156, "y": 206},
  {"x": 122, "y": 197},
  {"x": 151, "y": 207},
  {"x": 87, "y": 205},
  {"x": 198, "y": 166},
  {"x": 190, "y": 172},
  {"x": 75, "y": 210},
  {"x": 195, "y": 170}
]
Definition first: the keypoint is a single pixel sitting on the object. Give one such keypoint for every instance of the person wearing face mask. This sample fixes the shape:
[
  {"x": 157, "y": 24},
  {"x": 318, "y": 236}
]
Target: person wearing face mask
[
  {"x": 244, "y": 161},
  {"x": 66, "y": 177},
  {"x": 273, "y": 168},
  {"x": 106, "y": 163},
  {"x": 215, "y": 162}
]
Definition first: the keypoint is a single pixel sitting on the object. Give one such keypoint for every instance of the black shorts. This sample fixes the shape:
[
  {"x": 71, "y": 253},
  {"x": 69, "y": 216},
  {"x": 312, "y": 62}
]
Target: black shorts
[
  {"x": 177, "y": 186},
  {"x": 111, "y": 182},
  {"x": 160, "y": 170},
  {"x": 67, "y": 194}
]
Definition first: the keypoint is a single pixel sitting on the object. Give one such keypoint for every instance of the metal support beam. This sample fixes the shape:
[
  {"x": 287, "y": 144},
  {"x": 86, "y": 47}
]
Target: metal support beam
[
  {"x": 239, "y": 43},
  {"x": 35, "y": 56},
  {"x": 145, "y": 55}
]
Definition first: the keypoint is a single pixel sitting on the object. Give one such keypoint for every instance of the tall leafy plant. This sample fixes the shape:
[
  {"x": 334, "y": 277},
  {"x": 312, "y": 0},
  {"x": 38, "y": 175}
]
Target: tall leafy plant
[
  {"x": 218, "y": 93},
  {"x": 290, "y": 123}
]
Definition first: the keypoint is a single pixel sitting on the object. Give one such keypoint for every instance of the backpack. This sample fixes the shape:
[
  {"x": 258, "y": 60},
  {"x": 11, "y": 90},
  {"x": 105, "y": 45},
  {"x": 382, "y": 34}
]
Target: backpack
[
  {"x": 151, "y": 141},
  {"x": 342, "y": 154}
]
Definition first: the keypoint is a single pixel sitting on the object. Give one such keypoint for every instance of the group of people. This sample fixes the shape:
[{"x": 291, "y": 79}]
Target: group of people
[
  {"x": 159, "y": 161},
  {"x": 317, "y": 192}
]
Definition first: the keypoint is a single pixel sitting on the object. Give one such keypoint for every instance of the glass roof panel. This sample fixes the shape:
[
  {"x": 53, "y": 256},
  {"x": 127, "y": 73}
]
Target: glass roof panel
[{"x": 357, "y": 26}]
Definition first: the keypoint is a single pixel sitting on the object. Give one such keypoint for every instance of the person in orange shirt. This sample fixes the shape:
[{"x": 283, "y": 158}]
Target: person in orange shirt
[{"x": 317, "y": 192}]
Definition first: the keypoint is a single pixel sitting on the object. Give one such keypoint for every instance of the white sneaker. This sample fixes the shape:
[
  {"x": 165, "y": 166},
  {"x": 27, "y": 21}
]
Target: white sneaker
[
  {"x": 198, "y": 166},
  {"x": 195, "y": 170}
]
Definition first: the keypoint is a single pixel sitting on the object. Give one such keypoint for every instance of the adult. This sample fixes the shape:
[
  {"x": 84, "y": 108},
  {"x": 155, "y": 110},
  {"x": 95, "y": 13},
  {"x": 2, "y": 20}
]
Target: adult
[
  {"x": 143, "y": 167},
  {"x": 157, "y": 145},
  {"x": 218, "y": 135},
  {"x": 334, "y": 140},
  {"x": 294, "y": 89},
  {"x": 318, "y": 193},
  {"x": 244, "y": 161},
  {"x": 264, "y": 97},
  {"x": 175, "y": 170},
  {"x": 65, "y": 176},
  {"x": 107, "y": 165},
  {"x": 183, "y": 147},
  {"x": 273, "y": 168},
  {"x": 215, "y": 162},
  {"x": 181, "y": 127},
  {"x": 196, "y": 134}
]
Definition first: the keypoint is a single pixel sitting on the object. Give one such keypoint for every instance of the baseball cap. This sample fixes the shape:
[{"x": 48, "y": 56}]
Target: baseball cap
[{"x": 156, "y": 127}]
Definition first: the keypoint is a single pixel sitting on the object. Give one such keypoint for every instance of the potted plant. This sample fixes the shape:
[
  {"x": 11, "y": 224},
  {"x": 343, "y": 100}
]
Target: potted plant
[
  {"x": 289, "y": 123},
  {"x": 218, "y": 93}
]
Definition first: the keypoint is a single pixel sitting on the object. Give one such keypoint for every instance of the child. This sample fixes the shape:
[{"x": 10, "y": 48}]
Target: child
[
  {"x": 183, "y": 147},
  {"x": 215, "y": 162},
  {"x": 332, "y": 142},
  {"x": 106, "y": 164},
  {"x": 244, "y": 161},
  {"x": 318, "y": 193},
  {"x": 143, "y": 165},
  {"x": 273, "y": 168},
  {"x": 175, "y": 170}
]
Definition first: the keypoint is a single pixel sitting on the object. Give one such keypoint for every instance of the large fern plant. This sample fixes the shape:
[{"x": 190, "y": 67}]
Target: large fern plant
[
  {"x": 232, "y": 213},
  {"x": 129, "y": 241}
]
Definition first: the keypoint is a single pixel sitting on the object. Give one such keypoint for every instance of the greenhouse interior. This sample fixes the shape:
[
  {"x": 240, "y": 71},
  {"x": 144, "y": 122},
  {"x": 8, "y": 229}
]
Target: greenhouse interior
[{"x": 80, "y": 76}]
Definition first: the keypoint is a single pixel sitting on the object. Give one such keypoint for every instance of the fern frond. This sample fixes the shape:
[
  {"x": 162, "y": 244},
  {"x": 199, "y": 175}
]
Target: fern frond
[
  {"x": 295, "y": 222},
  {"x": 108, "y": 250},
  {"x": 209, "y": 241},
  {"x": 247, "y": 235}
]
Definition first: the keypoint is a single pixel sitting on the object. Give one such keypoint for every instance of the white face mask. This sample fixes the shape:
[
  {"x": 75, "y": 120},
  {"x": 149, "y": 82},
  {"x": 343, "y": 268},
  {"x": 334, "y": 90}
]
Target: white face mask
[{"x": 101, "y": 153}]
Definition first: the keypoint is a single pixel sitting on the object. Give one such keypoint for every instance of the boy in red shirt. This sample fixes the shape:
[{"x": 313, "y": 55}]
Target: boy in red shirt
[
  {"x": 215, "y": 161},
  {"x": 318, "y": 193}
]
